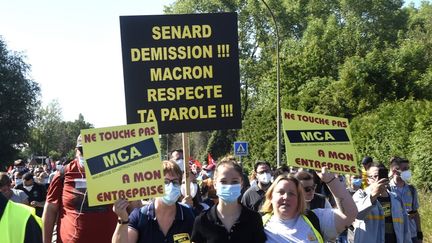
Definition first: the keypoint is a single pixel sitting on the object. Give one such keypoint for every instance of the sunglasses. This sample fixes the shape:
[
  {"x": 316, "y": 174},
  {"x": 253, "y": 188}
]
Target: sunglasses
[
  {"x": 309, "y": 188},
  {"x": 175, "y": 182}
]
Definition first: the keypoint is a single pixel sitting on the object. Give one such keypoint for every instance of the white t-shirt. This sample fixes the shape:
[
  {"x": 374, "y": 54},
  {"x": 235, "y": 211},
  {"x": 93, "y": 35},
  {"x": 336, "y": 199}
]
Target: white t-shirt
[{"x": 297, "y": 230}]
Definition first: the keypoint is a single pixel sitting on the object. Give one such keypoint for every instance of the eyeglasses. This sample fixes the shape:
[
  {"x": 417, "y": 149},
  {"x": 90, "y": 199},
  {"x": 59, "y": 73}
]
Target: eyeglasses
[
  {"x": 309, "y": 188},
  {"x": 175, "y": 182},
  {"x": 262, "y": 172}
]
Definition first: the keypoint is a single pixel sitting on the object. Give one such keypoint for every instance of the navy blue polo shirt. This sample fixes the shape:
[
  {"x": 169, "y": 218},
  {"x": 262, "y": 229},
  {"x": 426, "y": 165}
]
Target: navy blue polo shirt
[
  {"x": 248, "y": 228},
  {"x": 144, "y": 221}
]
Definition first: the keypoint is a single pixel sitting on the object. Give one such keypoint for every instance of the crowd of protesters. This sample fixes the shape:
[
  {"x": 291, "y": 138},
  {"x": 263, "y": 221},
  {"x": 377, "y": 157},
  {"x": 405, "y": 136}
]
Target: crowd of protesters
[{"x": 223, "y": 205}]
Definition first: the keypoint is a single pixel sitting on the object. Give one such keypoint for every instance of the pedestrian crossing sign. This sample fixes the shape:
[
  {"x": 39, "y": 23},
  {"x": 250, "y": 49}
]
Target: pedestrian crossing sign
[{"x": 241, "y": 148}]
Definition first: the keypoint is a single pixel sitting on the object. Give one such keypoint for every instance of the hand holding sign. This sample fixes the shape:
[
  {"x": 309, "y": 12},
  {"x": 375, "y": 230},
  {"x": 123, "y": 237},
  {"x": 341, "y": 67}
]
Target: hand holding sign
[
  {"x": 325, "y": 175},
  {"x": 120, "y": 207}
]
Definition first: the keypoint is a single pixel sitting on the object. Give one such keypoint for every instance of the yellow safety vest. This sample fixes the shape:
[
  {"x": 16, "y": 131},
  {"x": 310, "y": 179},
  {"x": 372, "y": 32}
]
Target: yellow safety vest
[
  {"x": 13, "y": 222},
  {"x": 364, "y": 179},
  {"x": 266, "y": 217}
]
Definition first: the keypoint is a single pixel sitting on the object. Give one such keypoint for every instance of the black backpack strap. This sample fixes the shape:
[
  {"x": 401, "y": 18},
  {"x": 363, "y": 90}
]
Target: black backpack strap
[
  {"x": 313, "y": 218},
  {"x": 318, "y": 201},
  {"x": 3, "y": 202}
]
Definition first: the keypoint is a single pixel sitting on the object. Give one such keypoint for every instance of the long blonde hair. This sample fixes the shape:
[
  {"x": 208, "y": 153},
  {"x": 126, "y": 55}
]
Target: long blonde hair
[{"x": 267, "y": 207}]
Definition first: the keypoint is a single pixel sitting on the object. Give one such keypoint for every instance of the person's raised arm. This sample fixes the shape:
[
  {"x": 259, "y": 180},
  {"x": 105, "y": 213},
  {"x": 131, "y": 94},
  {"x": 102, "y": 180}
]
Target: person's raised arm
[
  {"x": 49, "y": 218},
  {"x": 347, "y": 210},
  {"x": 122, "y": 234}
]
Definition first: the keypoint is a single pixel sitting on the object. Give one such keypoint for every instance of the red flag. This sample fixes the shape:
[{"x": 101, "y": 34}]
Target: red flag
[
  {"x": 193, "y": 161},
  {"x": 197, "y": 163},
  {"x": 210, "y": 160}
]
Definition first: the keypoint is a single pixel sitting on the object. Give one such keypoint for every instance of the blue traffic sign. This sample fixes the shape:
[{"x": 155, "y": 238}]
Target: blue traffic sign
[{"x": 241, "y": 148}]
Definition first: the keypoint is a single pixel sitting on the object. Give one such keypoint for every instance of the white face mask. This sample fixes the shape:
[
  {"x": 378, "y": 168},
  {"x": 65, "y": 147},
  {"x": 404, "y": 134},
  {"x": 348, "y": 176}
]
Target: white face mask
[
  {"x": 28, "y": 188},
  {"x": 179, "y": 162},
  {"x": 81, "y": 161},
  {"x": 264, "y": 178},
  {"x": 406, "y": 175},
  {"x": 193, "y": 189},
  {"x": 58, "y": 167}
]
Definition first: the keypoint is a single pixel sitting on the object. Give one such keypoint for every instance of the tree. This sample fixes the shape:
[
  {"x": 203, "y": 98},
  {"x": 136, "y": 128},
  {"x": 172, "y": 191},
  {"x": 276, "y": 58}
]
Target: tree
[
  {"x": 398, "y": 129},
  {"x": 343, "y": 58},
  {"x": 69, "y": 134},
  {"x": 51, "y": 136},
  {"x": 45, "y": 129},
  {"x": 19, "y": 99}
]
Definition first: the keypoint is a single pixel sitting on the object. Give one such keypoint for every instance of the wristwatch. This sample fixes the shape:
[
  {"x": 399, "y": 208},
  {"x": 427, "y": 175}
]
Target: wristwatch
[{"x": 120, "y": 221}]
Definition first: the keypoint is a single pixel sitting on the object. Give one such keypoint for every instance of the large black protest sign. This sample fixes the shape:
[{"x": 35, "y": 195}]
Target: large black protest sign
[{"x": 182, "y": 71}]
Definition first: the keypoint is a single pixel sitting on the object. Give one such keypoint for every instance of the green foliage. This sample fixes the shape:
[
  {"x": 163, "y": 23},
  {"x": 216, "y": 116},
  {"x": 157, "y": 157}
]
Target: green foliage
[
  {"x": 425, "y": 200},
  {"x": 260, "y": 132},
  {"x": 52, "y": 136},
  {"x": 54, "y": 155},
  {"x": 220, "y": 144},
  {"x": 421, "y": 145},
  {"x": 398, "y": 128},
  {"x": 46, "y": 128},
  {"x": 19, "y": 99},
  {"x": 369, "y": 61},
  {"x": 421, "y": 156}
]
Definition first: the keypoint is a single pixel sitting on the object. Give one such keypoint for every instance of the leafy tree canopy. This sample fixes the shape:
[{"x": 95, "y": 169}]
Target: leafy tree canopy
[
  {"x": 361, "y": 60},
  {"x": 19, "y": 99}
]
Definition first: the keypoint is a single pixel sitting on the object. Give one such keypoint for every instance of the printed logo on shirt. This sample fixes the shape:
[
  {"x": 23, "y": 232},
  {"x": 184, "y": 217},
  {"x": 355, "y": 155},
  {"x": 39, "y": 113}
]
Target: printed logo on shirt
[
  {"x": 311, "y": 237},
  {"x": 387, "y": 209},
  {"x": 181, "y": 238},
  {"x": 80, "y": 183}
]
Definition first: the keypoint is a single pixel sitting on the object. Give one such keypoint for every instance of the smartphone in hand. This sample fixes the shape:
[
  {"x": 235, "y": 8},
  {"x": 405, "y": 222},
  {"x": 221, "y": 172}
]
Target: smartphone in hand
[{"x": 382, "y": 173}]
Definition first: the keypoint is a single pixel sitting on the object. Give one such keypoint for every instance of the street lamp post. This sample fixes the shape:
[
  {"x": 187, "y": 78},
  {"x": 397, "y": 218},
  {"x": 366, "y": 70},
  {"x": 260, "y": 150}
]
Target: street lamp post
[{"x": 278, "y": 108}]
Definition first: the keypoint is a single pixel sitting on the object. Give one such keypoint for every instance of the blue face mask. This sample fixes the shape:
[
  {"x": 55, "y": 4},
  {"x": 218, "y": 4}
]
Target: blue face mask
[
  {"x": 18, "y": 181},
  {"x": 172, "y": 193},
  {"x": 357, "y": 182},
  {"x": 228, "y": 193}
]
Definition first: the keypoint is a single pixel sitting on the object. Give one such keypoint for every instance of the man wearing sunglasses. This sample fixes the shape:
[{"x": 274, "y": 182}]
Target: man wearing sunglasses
[{"x": 313, "y": 200}]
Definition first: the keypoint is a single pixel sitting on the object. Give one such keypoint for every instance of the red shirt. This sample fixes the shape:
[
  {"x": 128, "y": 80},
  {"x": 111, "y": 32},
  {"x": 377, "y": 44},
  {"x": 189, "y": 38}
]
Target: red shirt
[{"x": 93, "y": 224}]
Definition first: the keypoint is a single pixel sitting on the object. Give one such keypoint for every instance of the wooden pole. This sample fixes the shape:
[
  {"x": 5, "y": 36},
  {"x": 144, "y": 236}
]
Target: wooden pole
[{"x": 186, "y": 157}]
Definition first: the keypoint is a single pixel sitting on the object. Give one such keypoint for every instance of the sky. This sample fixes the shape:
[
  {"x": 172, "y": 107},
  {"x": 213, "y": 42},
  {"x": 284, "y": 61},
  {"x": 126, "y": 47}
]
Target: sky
[{"x": 74, "y": 49}]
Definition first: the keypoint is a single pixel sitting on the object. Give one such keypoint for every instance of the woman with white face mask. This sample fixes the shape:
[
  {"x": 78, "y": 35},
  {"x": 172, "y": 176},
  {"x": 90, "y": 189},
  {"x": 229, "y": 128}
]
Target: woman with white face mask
[
  {"x": 163, "y": 220},
  {"x": 228, "y": 221}
]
